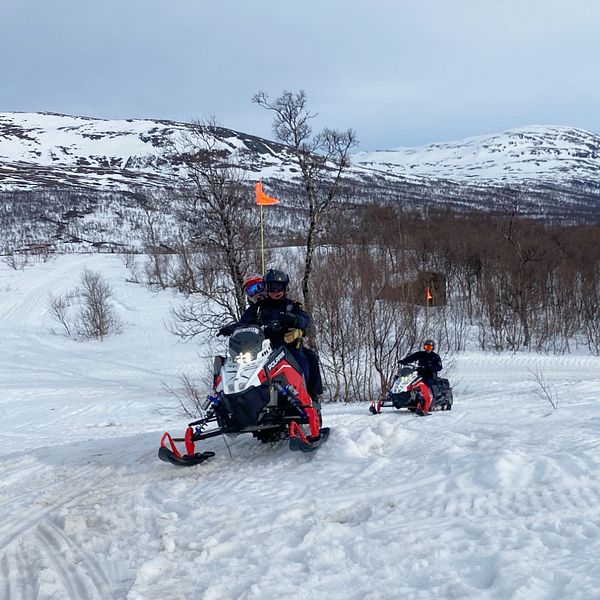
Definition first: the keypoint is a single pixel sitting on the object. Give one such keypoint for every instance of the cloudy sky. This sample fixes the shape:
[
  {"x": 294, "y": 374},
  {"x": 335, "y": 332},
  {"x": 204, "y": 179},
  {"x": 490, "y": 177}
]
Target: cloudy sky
[{"x": 399, "y": 72}]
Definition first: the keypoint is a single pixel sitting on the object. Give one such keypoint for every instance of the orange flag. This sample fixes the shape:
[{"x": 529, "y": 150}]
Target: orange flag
[
  {"x": 261, "y": 198},
  {"x": 428, "y": 295}
]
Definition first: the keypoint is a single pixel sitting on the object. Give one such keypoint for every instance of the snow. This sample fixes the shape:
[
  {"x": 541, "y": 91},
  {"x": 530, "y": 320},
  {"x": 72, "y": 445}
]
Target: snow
[
  {"x": 40, "y": 137},
  {"x": 499, "y": 498}
]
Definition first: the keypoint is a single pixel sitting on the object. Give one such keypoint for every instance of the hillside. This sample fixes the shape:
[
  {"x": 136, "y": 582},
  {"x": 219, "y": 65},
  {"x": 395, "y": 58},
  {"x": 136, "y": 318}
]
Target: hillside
[
  {"x": 69, "y": 180},
  {"x": 41, "y": 150},
  {"x": 497, "y": 498},
  {"x": 530, "y": 154}
]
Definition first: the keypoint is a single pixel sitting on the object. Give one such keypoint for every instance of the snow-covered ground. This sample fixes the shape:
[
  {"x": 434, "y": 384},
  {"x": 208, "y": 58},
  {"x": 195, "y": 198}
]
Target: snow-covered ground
[{"x": 499, "y": 498}]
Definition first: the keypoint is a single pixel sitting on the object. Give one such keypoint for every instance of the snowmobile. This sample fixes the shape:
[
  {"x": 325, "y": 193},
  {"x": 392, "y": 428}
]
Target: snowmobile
[
  {"x": 408, "y": 391},
  {"x": 257, "y": 390}
]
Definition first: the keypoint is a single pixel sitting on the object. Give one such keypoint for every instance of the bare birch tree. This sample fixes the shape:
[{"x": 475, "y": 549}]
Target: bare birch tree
[
  {"x": 221, "y": 229},
  {"x": 322, "y": 160}
]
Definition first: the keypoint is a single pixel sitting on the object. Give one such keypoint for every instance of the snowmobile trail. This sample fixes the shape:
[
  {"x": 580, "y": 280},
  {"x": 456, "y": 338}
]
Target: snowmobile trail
[
  {"x": 45, "y": 499},
  {"x": 56, "y": 559},
  {"x": 497, "y": 498},
  {"x": 64, "y": 552}
]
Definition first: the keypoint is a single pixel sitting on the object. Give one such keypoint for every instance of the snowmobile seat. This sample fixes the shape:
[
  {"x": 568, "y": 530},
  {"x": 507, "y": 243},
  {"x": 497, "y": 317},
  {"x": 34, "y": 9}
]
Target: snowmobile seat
[{"x": 441, "y": 389}]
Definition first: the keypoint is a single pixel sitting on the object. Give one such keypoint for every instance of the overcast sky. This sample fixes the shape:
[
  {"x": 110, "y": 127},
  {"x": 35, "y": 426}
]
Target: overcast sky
[{"x": 399, "y": 72}]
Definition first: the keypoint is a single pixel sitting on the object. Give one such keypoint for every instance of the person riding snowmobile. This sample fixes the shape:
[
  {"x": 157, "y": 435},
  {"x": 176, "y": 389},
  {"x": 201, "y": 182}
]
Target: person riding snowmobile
[
  {"x": 429, "y": 364},
  {"x": 254, "y": 288},
  {"x": 256, "y": 393},
  {"x": 285, "y": 320}
]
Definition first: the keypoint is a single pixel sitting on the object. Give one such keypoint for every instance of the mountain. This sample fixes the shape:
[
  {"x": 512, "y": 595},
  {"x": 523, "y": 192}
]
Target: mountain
[
  {"x": 546, "y": 172},
  {"x": 68, "y": 178},
  {"x": 526, "y": 155},
  {"x": 44, "y": 149},
  {"x": 41, "y": 150}
]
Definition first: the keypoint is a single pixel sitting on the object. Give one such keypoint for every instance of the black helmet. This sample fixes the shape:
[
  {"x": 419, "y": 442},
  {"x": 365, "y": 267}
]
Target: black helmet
[
  {"x": 276, "y": 280},
  {"x": 429, "y": 342}
]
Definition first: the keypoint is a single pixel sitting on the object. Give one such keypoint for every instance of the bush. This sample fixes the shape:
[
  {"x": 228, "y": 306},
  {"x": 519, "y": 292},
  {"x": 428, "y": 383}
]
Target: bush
[{"x": 95, "y": 315}]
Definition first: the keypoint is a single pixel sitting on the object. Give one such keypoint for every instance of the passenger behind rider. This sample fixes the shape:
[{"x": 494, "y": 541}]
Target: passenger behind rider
[
  {"x": 429, "y": 365},
  {"x": 254, "y": 288}
]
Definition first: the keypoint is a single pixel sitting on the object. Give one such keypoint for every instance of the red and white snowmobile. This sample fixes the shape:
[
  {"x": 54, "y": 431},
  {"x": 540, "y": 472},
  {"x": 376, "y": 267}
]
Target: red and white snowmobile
[
  {"x": 257, "y": 390},
  {"x": 411, "y": 392}
]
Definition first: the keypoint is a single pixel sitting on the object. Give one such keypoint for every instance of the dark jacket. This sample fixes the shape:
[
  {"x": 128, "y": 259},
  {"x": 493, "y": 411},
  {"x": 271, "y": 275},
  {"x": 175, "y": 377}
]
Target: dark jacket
[
  {"x": 285, "y": 312},
  {"x": 429, "y": 362}
]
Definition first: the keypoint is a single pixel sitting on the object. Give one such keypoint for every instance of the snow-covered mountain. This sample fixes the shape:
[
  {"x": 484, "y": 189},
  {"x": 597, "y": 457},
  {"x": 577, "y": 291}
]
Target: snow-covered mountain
[
  {"x": 528, "y": 154},
  {"x": 67, "y": 178},
  {"x": 42, "y": 149}
]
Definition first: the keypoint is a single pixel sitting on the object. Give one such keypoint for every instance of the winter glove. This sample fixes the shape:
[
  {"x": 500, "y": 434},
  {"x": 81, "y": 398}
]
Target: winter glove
[
  {"x": 292, "y": 335},
  {"x": 273, "y": 329},
  {"x": 226, "y": 330},
  {"x": 288, "y": 320}
]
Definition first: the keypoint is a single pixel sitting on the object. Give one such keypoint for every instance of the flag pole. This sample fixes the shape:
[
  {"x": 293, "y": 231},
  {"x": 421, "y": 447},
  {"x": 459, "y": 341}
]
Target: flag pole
[
  {"x": 426, "y": 314},
  {"x": 427, "y": 298},
  {"x": 262, "y": 242}
]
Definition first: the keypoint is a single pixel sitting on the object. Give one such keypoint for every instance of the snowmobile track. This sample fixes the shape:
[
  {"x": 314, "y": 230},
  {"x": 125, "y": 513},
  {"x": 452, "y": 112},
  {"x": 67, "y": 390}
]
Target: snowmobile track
[{"x": 73, "y": 563}]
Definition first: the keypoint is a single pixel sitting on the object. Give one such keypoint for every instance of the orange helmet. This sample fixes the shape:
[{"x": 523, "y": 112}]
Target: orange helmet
[{"x": 253, "y": 285}]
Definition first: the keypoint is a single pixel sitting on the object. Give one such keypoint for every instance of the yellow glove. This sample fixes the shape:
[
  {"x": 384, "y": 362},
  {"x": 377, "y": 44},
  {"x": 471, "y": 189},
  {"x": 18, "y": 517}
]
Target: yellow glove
[{"x": 292, "y": 334}]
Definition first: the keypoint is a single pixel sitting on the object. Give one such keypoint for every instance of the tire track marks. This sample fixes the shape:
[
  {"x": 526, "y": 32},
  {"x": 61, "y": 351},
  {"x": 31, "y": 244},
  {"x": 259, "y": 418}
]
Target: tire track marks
[
  {"x": 43, "y": 502},
  {"x": 82, "y": 575},
  {"x": 54, "y": 558}
]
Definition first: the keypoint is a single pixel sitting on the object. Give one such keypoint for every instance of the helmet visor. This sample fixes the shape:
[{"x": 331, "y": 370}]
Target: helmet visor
[
  {"x": 275, "y": 286},
  {"x": 428, "y": 346},
  {"x": 255, "y": 288}
]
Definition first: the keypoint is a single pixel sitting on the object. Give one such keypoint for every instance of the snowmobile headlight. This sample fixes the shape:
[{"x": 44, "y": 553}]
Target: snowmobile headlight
[{"x": 243, "y": 358}]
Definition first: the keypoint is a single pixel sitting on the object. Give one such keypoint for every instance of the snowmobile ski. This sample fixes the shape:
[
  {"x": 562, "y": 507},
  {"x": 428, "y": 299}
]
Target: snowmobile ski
[
  {"x": 301, "y": 443},
  {"x": 173, "y": 456},
  {"x": 187, "y": 460},
  {"x": 375, "y": 407}
]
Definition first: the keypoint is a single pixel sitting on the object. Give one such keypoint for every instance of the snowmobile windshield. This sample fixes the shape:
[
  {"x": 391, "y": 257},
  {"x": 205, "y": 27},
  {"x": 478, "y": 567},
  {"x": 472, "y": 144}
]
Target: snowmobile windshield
[
  {"x": 245, "y": 344},
  {"x": 406, "y": 371}
]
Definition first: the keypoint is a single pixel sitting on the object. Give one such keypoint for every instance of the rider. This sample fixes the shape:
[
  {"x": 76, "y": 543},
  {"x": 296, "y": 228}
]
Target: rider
[
  {"x": 429, "y": 364},
  {"x": 285, "y": 320}
]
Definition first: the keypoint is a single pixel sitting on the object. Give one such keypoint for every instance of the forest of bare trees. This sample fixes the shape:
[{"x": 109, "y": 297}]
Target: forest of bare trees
[
  {"x": 510, "y": 284},
  {"x": 500, "y": 282}
]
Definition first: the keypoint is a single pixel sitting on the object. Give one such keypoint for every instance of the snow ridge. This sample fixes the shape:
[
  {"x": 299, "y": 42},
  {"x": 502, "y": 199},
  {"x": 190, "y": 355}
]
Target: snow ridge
[
  {"x": 45, "y": 149},
  {"x": 528, "y": 154}
]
